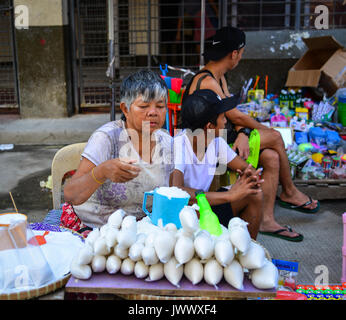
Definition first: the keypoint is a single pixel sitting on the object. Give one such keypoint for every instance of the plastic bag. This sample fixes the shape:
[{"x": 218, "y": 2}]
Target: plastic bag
[
  {"x": 23, "y": 266},
  {"x": 288, "y": 272}
]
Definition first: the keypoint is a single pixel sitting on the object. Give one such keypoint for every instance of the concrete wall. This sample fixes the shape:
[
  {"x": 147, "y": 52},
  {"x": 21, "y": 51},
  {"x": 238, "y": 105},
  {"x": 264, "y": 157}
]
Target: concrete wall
[
  {"x": 273, "y": 53},
  {"x": 41, "y": 60},
  {"x": 43, "y": 66}
]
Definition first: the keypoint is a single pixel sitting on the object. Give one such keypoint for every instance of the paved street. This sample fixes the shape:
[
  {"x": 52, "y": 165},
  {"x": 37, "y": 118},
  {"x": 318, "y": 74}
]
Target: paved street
[
  {"x": 25, "y": 166},
  {"x": 29, "y": 163}
]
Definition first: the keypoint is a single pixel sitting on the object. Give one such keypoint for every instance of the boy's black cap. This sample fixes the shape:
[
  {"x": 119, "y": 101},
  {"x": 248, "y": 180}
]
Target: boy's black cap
[
  {"x": 224, "y": 41},
  {"x": 202, "y": 106}
]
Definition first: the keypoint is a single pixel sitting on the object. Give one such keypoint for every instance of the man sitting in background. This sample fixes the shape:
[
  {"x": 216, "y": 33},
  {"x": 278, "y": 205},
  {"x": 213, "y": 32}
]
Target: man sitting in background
[{"x": 223, "y": 55}]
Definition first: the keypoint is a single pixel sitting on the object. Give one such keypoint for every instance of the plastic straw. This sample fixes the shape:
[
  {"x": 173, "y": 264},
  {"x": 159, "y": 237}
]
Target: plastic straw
[
  {"x": 255, "y": 85},
  {"x": 13, "y": 202}
]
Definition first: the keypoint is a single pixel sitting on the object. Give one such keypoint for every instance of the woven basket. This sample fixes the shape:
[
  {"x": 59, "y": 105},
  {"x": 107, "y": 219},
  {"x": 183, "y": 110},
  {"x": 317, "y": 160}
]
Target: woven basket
[
  {"x": 49, "y": 288},
  {"x": 34, "y": 293}
]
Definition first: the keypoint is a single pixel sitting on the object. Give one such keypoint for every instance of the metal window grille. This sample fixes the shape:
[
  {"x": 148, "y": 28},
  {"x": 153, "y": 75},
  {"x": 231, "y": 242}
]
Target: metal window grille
[
  {"x": 8, "y": 74},
  {"x": 92, "y": 53},
  {"x": 257, "y": 15},
  {"x": 150, "y": 33}
]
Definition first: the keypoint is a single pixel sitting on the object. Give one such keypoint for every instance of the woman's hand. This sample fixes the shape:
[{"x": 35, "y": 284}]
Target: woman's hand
[
  {"x": 242, "y": 144},
  {"x": 119, "y": 170}
]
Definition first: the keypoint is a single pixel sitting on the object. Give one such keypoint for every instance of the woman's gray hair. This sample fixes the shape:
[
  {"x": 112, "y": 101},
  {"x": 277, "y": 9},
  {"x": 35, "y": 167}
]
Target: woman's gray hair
[{"x": 145, "y": 83}]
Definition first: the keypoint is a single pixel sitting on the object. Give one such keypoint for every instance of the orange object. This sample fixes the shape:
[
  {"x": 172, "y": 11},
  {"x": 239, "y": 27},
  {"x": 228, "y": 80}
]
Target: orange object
[
  {"x": 256, "y": 83},
  {"x": 266, "y": 86},
  {"x": 38, "y": 240}
]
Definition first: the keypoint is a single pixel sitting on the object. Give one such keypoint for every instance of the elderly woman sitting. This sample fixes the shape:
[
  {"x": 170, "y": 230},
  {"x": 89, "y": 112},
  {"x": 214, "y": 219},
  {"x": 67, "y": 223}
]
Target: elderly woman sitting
[{"x": 123, "y": 158}]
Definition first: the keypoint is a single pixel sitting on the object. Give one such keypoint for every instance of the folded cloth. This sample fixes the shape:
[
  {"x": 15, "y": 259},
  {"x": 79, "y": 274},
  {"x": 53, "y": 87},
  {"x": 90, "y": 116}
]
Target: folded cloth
[{"x": 53, "y": 217}]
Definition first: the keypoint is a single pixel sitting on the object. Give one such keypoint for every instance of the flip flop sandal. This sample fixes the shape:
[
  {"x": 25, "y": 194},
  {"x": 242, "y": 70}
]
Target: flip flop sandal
[
  {"x": 277, "y": 234},
  {"x": 300, "y": 208}
]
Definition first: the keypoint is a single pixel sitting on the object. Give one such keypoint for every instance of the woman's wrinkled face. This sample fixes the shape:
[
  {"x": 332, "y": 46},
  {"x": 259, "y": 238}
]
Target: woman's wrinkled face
[{"x": 145, "y": 114}]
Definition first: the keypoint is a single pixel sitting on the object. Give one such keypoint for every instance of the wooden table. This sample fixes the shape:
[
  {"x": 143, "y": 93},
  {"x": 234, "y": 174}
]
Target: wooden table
[{"x": 120, "y": 284}]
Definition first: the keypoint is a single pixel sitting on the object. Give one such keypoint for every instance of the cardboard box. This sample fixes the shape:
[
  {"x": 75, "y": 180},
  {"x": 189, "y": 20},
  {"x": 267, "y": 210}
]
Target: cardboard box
[{"x": 323, "y": 65}]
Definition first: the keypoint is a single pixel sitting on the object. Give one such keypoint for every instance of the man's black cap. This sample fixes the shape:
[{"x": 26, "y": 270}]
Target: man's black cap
[
  {"x": 225, "y": 40},
  {"x": 202, "y": 106}
]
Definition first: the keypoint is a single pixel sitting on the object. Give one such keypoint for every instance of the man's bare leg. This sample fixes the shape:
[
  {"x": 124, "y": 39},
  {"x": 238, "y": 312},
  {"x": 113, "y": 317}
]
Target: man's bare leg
[
  {"x": 271, "y": 139},
  {"x": 269, "y": 160},
  {"x": 250, "y": 210}
]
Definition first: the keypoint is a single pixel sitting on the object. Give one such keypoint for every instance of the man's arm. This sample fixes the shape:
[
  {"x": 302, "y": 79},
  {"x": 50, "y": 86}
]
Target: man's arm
[{"x": 240, "y": 119}]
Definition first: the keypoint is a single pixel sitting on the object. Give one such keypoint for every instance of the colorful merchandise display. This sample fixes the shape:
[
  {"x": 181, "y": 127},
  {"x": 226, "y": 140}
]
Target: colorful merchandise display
[
  {"x": 328, "y": 292},
  {"x": 318, "y": 150}
]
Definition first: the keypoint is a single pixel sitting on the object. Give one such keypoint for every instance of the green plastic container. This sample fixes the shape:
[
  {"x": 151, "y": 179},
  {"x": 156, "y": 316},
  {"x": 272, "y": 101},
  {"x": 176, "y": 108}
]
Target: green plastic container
[
  {"x": 208, "y": 220},
  {"x": 342, "y": 109}
]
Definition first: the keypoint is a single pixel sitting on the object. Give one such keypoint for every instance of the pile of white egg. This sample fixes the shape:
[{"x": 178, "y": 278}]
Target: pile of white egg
[{"x": 152, "y": 252}]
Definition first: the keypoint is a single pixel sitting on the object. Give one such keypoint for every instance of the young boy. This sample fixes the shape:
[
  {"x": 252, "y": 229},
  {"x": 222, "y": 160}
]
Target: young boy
[
  {"x": 222, "y": 56},
  {"x": 200, "y": 152}
]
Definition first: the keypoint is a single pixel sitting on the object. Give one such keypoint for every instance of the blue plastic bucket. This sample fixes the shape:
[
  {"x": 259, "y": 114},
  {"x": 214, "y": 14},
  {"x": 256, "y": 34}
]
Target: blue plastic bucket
[{"x": 164, "y": 208}]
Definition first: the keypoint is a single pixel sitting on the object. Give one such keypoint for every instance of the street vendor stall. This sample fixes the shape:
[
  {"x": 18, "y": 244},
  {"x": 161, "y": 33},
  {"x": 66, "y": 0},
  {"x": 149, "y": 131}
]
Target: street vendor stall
[
  {"x": 314, "y": 133},
  {"x": 129, "y": 287},
  {"x": 170, "y": 253}
]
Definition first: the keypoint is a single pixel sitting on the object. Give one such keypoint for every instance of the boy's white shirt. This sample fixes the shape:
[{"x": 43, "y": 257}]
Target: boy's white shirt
[{"x": 199, "y": 174}]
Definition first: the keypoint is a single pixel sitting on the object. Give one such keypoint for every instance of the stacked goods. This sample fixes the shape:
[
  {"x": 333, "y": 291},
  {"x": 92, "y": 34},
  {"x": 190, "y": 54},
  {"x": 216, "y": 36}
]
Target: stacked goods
[
  {"x": 152, "y": 252},
  {"x": 333, "y": 292}
]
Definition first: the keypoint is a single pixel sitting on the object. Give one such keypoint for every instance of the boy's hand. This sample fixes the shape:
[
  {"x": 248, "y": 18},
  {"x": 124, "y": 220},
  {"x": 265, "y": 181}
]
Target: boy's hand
[
  {"x": 248, "y": 183},
  {"x": 250, "y": 171}
]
